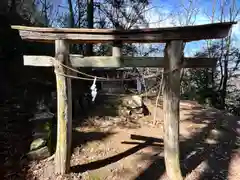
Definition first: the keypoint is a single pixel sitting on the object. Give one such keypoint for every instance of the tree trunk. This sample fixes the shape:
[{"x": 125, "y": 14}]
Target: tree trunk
[
  {"x": 13, "y": 6},
  {"x": 71, "y": 14},
  {"x": 89, "y": 48}
]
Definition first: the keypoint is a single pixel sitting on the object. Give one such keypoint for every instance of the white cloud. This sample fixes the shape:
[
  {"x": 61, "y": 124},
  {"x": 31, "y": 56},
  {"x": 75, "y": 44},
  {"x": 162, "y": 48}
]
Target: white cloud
[
  {"x": 162, "y": 17},
  {"x": 159, "y": 17},
  {"x": 236, "y": 35}
]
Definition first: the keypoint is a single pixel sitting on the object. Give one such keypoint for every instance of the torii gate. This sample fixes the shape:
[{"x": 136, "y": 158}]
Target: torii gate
[{"x": 172, "y": 62}]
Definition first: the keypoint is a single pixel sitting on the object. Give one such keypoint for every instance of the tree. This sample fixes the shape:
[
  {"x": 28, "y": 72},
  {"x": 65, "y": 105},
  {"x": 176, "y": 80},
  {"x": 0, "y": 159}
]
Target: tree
[
  {"x": 214, "y": 84},
  {"x": 90, "y": 9},
  {"x": 198, "y": 84},
  {"x": 122, "y": 14}
]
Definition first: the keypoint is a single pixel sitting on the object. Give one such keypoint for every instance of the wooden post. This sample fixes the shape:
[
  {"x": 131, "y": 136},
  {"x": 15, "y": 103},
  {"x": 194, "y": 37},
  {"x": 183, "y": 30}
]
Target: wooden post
[
  {"x": 117, "y": 45},
  {"x": 171, "y": 98},
  {"x": 64, "y": 109},
  {"x": 116, "y": 49},
  {"x": 117, "y": 52}
]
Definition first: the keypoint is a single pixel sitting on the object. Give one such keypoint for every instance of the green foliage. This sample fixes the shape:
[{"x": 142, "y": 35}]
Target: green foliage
[
  {"x": 206, "y": 85},
  {"x": 49, "y": 127},
  {"x": 200, "y": 87}
]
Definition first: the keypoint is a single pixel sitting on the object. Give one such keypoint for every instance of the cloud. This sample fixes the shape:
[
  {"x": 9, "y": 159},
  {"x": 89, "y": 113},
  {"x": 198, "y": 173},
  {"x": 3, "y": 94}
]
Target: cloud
[
  {"x": 236, "y": 35},
  {"x": 163, "y": 17},
  {"x": 159, "y": 17}
]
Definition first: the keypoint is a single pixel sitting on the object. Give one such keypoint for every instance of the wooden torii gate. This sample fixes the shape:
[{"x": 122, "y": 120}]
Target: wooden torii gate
[{"x": 172, "y": 62}]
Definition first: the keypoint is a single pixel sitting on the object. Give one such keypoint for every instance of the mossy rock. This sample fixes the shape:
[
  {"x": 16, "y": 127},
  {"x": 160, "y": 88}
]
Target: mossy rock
[
  {"x": 37, "y": 143},
  {"x": 39, "y": 154}
]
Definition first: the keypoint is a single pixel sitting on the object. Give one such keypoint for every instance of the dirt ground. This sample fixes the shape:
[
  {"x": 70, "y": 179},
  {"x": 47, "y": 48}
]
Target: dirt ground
[{"x": 112, "y": 148}]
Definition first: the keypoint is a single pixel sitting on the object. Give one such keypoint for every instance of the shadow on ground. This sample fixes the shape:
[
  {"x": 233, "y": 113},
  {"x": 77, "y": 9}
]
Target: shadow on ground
[
  {"x": 218, "y": 127},
  {"x": 104, "y": 162},
  {"x": 79, "y": 139},
  {"x": 195, "y": 149},
  {"x": 15, "y": 139}
]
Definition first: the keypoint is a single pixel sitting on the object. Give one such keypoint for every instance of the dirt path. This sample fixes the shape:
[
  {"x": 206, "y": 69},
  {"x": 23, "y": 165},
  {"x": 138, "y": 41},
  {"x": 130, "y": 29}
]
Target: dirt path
[{"x": 109, "y": 149}]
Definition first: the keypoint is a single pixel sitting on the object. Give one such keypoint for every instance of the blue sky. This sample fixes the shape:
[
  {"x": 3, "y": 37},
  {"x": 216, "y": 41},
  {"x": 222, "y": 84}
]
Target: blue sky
[
  {"x": 162, "y": 8},
  {"x": 205, "y": 8}
]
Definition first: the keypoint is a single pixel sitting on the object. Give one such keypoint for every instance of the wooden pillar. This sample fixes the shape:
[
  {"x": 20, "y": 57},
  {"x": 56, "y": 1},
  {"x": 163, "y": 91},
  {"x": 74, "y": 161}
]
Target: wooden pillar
[
  {"x": 117, "y": 49},
  {"x": 171, "y": 99},
  {"x": 117, "y": 52},
  {"x": 64, "y": 109}
]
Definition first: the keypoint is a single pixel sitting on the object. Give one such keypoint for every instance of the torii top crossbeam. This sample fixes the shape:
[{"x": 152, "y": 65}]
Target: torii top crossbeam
[{"x": 149, "y": 35}]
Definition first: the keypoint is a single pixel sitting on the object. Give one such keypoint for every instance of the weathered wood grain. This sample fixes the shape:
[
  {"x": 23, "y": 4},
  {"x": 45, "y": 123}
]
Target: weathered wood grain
[
  {"x": 117, "y": 62},
  {"x": 64, "y": 109},
  {"x": 149, "y": 35},
  {"x": 171, "y": 98}
]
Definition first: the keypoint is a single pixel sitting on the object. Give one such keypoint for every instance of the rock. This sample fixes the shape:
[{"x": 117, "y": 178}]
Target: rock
[
  {"x": 132, "y": 102},
  {"x": 38, "y": 143},
  {"x": 40, "y": 135},
  {"x": 39, "y": 154},
  {"x": 137, "y": 100},
  {"x": 42, "y": 116},
  {"x": 124, "y": 112},
  {"x": 211, "y": 141},
  {"x": 133, "y": 106},
  {"x": 215, "y": 135}
]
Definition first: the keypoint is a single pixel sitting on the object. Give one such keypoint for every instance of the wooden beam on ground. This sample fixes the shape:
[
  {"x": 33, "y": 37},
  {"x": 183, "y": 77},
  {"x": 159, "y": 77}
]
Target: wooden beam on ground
[
  {"x": 149, "y": 35},
  {"x": 145, "y": 138},
  {"x": 171, "y": 98},
  {"x": 117, "y": 62},
  {"x": 64, "y": 109}
]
